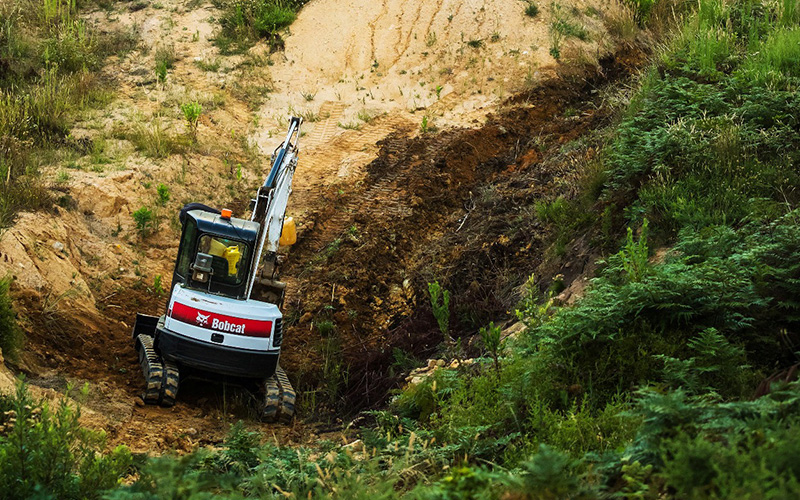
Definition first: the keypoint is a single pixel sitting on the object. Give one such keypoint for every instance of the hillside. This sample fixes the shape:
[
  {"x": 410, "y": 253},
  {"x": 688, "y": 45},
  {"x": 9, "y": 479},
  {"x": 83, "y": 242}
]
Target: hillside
[{"x": 606, "y": 191}]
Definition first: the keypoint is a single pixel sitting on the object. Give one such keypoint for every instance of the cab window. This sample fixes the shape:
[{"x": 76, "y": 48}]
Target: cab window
[
  {"x": 186, "y": 248},
  {"x": 229, "y": 258}
]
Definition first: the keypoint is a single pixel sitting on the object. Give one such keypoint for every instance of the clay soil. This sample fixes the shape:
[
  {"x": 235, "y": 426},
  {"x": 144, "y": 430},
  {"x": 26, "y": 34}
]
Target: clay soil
[{"x": 398, "y": 184}]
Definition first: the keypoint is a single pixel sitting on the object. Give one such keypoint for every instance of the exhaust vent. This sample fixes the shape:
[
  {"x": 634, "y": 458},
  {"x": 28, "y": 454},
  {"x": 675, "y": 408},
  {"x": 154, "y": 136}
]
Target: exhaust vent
[{"x": 278, "y": 338}]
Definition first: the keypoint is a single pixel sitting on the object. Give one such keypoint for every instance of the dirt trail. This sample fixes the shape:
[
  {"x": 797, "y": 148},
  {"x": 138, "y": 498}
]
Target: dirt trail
[{"x": 369, "y": 192}]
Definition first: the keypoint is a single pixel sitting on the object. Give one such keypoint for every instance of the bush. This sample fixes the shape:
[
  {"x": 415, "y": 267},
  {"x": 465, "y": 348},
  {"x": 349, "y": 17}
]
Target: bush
[
  {"x": 163, "y": 194},
  {"x": 191, "y": 112},
  {"x": 531, "y": 9},
  {"x": 10, "y": 335},
  {"x": 145, "y": 221},
  {"x": 44, "y": 453}
]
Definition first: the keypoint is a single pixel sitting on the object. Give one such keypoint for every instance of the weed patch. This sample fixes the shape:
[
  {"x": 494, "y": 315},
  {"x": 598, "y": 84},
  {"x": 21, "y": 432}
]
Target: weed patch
[{"x": 244, "y": 22}]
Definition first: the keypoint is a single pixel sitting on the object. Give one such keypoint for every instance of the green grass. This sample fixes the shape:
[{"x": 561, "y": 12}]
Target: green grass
[
  {"x": 244, "y": 22},
  {"x": 48, "y": 56},
  {"x": 153, "y": 139}
]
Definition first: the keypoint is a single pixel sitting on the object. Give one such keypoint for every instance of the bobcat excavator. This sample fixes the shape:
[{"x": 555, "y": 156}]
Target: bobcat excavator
[{"x": 223, "y": 316}]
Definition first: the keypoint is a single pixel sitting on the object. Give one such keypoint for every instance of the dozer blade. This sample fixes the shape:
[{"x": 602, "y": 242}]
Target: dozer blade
[{"x": 145, "y": 325}]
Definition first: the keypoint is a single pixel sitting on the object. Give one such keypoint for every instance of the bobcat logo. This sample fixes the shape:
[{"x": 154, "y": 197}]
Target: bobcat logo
[{"x": 202, "y": 320}]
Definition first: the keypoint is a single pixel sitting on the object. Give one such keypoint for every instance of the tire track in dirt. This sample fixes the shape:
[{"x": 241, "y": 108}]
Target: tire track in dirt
[
  {"x": 330, "y": 113},
  {"x": 327, "y": 231}
]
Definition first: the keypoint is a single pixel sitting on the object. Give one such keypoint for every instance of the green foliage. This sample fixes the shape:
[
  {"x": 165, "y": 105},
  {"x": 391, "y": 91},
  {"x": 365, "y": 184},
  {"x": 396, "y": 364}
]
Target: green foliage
[
  {"x": 164, "y": 61},
  {"x": 244, "y": 22},
  {"x": 47, "y": 56},
  {"x": 493, "y": 343},
  {"x": 45, "y": 453},
  {"x": 158, "y": 288},
  {"x": 145, "y": 221},
  {"x": 570, "y": 29},
  {"x": 163, "y": 194},
  {"x": 531, "y": 9},
  {"x": 634, "y": 255},
  {"x": 440, "y": 303},
  {"x": 11, "y": 337},
  {"x": 191, "y": 112},
  {"x": 711, "y": 139}
]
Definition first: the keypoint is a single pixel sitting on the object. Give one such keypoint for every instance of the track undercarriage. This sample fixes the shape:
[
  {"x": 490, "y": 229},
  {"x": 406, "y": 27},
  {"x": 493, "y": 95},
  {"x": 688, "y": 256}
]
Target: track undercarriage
[{"x": 162, "y": 381}]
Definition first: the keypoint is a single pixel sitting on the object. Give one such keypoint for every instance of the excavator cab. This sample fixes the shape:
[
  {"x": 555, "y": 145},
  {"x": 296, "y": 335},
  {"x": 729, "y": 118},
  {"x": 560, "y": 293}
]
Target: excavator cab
[{"x": 216, "y": 253}]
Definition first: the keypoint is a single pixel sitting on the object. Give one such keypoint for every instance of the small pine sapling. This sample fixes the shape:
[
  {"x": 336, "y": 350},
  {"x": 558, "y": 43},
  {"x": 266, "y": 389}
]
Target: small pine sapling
[
  {"x": 145, "y": 221},
  {"x": 163, "y": 194}
]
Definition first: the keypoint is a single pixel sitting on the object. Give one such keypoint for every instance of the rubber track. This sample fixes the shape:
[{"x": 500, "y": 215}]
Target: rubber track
[
  {"x": 288, "y": 396},
  {"x": 272, "y": 400},
  {"x": 169, "y": 386},
  {"x": 152, "y": 368},
  {"x": 279, "y": 399}
]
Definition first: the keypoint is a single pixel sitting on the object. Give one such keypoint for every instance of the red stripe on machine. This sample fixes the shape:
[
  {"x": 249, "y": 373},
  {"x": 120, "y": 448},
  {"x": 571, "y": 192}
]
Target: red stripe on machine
[{"x": 220, "y": 322}]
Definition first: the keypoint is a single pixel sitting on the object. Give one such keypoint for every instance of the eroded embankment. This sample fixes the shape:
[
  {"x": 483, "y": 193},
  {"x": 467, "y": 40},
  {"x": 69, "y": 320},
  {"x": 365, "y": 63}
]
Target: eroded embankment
[{"x": 457, "y": 207}]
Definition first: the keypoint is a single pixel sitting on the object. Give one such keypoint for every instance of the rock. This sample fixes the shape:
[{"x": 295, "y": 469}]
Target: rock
[
  {"x": 139, "y": 402},
  {"x": 58, "y": 246},
  {"x": 514, "y": 330},
  {"x": 439, "y": 362},
  {"x": 431, "y": 364}
]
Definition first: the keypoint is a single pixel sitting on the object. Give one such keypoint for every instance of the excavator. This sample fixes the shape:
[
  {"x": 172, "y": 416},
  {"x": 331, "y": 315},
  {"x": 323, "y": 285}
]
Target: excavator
[{"x": 223, "y": 319}]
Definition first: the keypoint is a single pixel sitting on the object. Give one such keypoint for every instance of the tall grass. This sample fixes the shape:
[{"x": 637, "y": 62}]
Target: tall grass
[{"x": 47, "y": 54}]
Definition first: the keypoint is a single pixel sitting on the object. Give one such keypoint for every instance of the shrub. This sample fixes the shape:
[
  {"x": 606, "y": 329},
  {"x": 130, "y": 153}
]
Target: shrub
[
  {"x": 44, "y": 452},
  {"x": 10, "y": 335},
  {"x": 244, "y": 22},
  {"x": 531, "y": 9},
  {"x": 145, "y": 221},
  {"x": 163, "y": 194}
]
